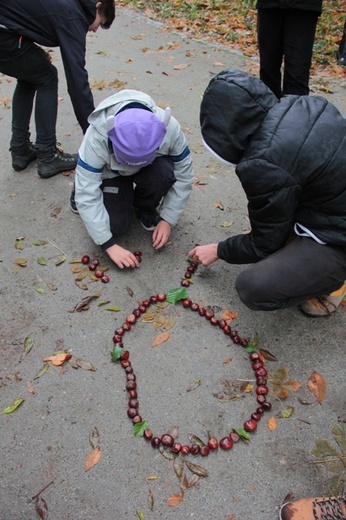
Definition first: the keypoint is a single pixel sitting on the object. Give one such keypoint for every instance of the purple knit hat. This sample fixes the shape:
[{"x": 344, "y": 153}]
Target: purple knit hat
[{"x": 135, "y": 134}]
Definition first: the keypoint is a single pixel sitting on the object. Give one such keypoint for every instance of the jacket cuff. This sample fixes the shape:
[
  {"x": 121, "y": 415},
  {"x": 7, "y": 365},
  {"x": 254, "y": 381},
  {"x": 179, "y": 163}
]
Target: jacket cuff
[{"x": 108, "y": 244}]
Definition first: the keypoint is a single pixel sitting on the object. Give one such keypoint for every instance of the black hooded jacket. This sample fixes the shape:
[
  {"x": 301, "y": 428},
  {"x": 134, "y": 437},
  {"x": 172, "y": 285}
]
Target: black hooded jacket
[
  {"x": 291, "y": 161},
  {"x": 56, "y": 23}
]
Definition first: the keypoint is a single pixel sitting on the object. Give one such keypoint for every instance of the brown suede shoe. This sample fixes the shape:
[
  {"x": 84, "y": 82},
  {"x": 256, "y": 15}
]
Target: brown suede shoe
[
  {"x": 331, "y": 508},
  {"x": 323, "y": 305}
]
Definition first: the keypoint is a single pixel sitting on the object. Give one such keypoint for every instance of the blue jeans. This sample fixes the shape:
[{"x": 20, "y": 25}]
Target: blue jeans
[{"x": 37, "y": 80}]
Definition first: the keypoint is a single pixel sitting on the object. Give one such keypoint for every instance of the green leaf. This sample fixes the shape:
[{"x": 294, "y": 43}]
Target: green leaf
[
  {"x": 114, "y": 309},
  {"x": 324, "y": 449},
  {"x": 138, "y": 429},
  {"x": 339, "y": 434},
  {"x": 42, "y": 370},
  {"x": 250, "y": 348},
  {"x": 116, "y": 353},
  {"x": 60, "y": 260},
  {"x": 336, "y": 485},
  {"x": 19, "y": 243},
  {"x": 140, "y": 514},
  {"x": 242, "y": 433},
  {"x": 28, "y": 344},
  {"x": 41, "y": 291},
  {"x": 287, "y": 413},
  {"x": 181, "y": 293},
  {"x": 41, "y": 261},
  {"x": 16, "y": 403},
  {"x": 195, "y": 440},
  {"x": 40, "y": 242}
]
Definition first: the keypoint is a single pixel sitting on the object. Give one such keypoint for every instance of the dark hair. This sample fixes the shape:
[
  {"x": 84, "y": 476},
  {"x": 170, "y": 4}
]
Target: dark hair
[{"x": 107, "y": 9}]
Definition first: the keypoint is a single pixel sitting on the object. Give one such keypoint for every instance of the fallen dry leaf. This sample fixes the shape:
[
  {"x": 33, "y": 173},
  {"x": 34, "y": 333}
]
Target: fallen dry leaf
[
  {"x": 181, "y": 67},
  {"x": 59, "y": 359},
  {"x": 161, "y": 338},
  {"x": 317, "y": 386},
  {"x": 174, "y": 500},
  {"x": 229, "y": 316},
  {"x": 272, "y": 424},
  {"x": 93, "y": 458}
]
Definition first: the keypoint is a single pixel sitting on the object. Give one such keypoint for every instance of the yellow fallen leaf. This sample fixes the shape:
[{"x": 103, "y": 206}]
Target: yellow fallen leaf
[
  {"x": 317, "y": 386},
  {"x": 92, "y": 458},
  {"x": 161, "y": 338},
  {"x": 229, "y": 316},
  {"x": 272, "y": 424},
  {"x": 174, "y": 500},
  {"x": 181, "y": 67},
  {"x": 59, "y": 359}
]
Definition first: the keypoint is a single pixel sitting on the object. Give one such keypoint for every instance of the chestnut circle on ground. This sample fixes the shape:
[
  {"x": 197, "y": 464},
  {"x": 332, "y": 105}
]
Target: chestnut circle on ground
[{"x": 167, "y": 440}]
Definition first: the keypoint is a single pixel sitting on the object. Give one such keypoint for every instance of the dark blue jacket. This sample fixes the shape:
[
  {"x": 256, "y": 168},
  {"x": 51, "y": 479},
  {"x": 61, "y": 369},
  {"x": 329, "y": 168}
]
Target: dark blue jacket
[
  {"x": 306, "y": 5},
  {"x": 290, "y": 157},
  {"x": 58, "y": 23}
]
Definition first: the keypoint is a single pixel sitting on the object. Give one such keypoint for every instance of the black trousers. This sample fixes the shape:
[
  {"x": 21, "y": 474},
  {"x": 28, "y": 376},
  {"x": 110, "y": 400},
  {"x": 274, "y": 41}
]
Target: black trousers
[
  {"x": 286, "y": 37},
  {"x": 143, "y": 190},
  {"x": 301, "y": 270},
  {"x": 37, "y": 85}
]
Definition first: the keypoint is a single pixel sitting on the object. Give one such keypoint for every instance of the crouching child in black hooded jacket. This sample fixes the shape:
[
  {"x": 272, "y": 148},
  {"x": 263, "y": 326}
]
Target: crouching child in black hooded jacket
[{"x": 290, "y": 157}]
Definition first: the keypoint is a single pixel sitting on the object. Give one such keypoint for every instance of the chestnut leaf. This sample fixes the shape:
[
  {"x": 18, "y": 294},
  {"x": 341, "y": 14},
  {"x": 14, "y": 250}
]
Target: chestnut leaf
[
  {"x": 251, "y": 347},
  {"x": 138, "y": 429},
  {"x": 116, "y": 353},
  {"x": 242, "y": 433},
  {"x": 174, "y": 295}
]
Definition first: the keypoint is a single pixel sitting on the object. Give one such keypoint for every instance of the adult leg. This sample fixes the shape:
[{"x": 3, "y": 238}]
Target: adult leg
[
  {"x": 298, "y": 272},
  {"x": 270, "y": 46},
  {"x": 35, "y": 75},
  {"x": 118, "y": 200},
  {"x": 299, "y": 36}
]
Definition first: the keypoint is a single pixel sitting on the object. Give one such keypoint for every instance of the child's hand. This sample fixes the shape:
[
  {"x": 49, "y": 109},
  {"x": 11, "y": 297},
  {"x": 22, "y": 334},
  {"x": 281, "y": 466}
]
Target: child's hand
[
  {"x": 161, "y": 234},
  {"x": 122, "y": 257},
  {"x": 206, "y": 255}
]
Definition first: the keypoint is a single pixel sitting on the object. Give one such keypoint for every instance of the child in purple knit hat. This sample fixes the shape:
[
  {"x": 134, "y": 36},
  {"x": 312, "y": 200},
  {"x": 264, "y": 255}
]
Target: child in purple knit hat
[{"x": 134, "y": 157}]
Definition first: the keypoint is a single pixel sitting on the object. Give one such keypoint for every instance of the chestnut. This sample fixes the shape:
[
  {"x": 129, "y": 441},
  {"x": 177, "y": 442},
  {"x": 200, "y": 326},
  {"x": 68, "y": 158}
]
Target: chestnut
[
  {"x": 213, "y": 443},
  {"x": 250, "y": 425},
  {"x": 226, "y": 443},
  {"x": 155, "y": 442},
  {"x": 194, "y": 449},
  {"x": 204, "y": 451},
  {"x": 167, "y": 440},
  {"x": 148, "y": 434},
  {"x": 176, "y": 447}
]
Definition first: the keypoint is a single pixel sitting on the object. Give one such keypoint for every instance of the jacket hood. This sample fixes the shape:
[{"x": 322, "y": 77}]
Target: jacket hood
[{"x": 233, "y": 107}]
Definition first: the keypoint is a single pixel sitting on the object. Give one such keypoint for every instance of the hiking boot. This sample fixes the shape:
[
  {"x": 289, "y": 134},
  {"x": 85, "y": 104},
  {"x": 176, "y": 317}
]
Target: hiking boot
[
  {"x": 331, "y": 508},
  {"x": 323, "y": 305},
  {"x": 148, "y": 218},
  {"x": 22, "y": 156},
  {"x": 73, "y": 204},
  {"x": 52, "y": 160}
]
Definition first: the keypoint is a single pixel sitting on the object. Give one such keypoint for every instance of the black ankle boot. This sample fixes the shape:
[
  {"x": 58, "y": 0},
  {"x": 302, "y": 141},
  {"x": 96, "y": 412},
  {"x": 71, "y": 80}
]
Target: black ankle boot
[
  {"x": 52, "y": 160},
  {"x": 22, "y": 156}
]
